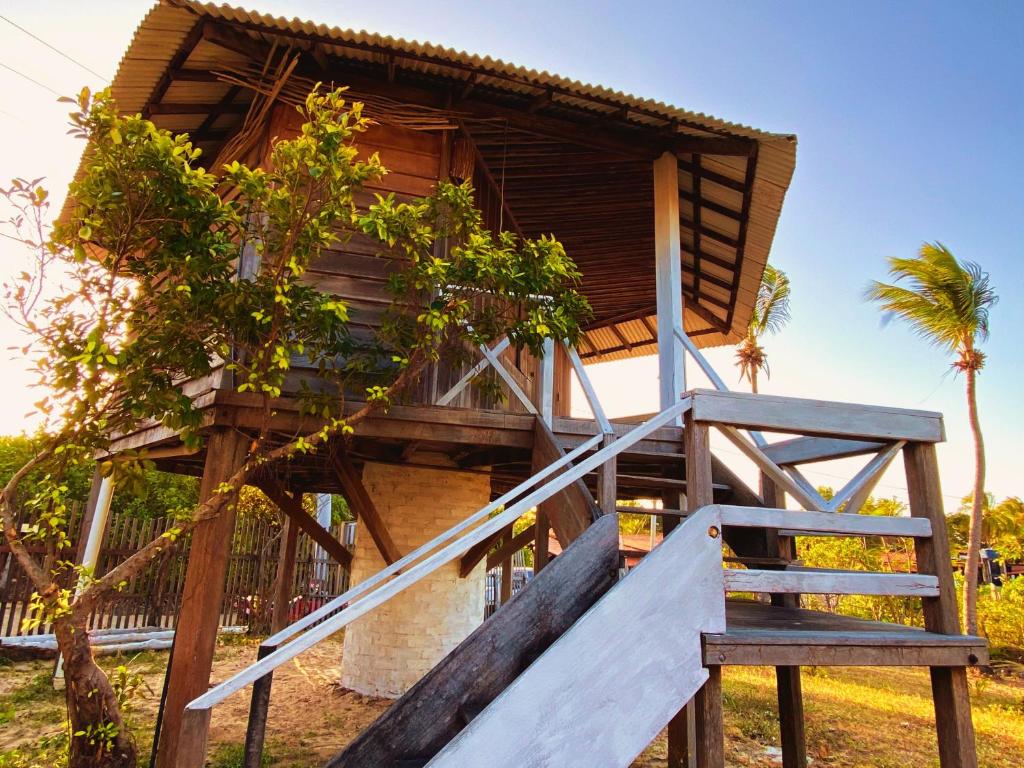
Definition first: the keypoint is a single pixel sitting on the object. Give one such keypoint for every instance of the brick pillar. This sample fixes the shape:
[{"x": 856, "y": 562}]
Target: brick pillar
[{"x": 394, "y": 645}]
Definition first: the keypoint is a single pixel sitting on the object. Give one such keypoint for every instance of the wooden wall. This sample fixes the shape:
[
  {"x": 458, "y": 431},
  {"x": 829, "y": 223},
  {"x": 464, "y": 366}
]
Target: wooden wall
[{"x": 355, "y": 270}]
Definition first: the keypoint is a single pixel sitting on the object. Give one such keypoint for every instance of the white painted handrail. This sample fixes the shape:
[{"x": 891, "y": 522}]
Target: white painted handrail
[
  {"x": 438, "y": 559},
  {"x": 395, "y": 568}
]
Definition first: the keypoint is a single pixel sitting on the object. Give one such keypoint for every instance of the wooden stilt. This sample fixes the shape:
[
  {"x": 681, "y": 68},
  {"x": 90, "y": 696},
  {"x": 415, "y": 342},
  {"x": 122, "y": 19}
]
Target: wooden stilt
[
  {"x": 199, "y": 618},
  {"x": 682, "y": 738},
  {"x": 950, "y": 694},
  {"x": 791, "y": 717},
  {"x": 710, "y": 722}
]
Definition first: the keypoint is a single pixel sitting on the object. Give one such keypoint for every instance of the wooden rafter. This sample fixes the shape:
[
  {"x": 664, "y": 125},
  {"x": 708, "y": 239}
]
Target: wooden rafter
[
  {"x": 177, "y": 62},
  {"x": 696, "y": 224},
  {"x": 741, "y": 240}
]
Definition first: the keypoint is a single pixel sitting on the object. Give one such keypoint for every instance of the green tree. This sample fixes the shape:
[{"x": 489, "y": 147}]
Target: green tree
[
  {"x": 947, "y": 302},
  {"x": 770, "y": 315},
  {"x": 150, "y": 250}
]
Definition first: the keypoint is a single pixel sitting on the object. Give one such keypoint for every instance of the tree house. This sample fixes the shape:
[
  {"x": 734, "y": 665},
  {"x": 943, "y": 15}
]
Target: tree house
[{"x": 670, "y": 216}]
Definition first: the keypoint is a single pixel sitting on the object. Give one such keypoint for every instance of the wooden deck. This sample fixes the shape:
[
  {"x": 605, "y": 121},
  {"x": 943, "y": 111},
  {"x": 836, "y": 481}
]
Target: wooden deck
[{"x": 766, "y": 635}]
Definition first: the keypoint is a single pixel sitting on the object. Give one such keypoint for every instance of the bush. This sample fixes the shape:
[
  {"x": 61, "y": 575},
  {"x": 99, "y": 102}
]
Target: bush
[{"x": 1001, "y": 615}]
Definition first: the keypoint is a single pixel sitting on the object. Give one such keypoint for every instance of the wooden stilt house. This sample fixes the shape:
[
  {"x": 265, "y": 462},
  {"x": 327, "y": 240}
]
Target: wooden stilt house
[{"x": 670, "y": 215}]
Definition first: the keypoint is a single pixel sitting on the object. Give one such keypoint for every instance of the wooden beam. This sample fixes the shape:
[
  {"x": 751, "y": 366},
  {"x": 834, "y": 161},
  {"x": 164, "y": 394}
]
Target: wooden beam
[
  {"x": 741, "y": 238},
  {"x": 175, "y": 65},
  {"x": 366, "y": 511},
  {"x": 496, "y": 187},
  {"x": 807, "y": 450},
  {"x": 511, "y": 545},
  {"x": 816, "y": 417},
  {"x": 697, "y": 226},
  {"x": 291, "y": 505},
  {"x": 476, "y": 554},
  {"x": 791, "y": 716},
  {"x": 199, "y": 134},
  {"x": 182, "y": 108}
]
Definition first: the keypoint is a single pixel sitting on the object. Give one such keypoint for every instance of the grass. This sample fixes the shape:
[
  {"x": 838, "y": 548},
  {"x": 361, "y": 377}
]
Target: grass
[{"x": 855, "y": 717}]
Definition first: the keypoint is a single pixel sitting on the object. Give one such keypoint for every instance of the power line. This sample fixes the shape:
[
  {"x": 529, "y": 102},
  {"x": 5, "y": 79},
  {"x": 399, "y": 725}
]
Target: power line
[
  {"x": 30, "y": 79},
  {"x": 55, "y": 49}
]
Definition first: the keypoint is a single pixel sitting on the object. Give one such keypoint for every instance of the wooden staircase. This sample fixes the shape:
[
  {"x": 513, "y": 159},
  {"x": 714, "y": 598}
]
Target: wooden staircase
[
  {"x": 584, "y": 665},
  {"x": 644, "y": 633}
]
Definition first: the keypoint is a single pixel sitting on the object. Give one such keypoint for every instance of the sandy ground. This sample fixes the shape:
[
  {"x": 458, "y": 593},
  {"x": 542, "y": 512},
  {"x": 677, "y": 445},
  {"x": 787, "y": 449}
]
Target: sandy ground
[{"x": 856, "y": 718}]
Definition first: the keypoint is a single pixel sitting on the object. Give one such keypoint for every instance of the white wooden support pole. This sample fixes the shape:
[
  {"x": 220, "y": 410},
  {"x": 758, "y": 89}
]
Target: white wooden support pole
[
  {"x": 91, "y": 553},
  {"x": 547, "y": 382},
  {"x": 323, "y": 517},
  {"x": 668, "y": 279}
]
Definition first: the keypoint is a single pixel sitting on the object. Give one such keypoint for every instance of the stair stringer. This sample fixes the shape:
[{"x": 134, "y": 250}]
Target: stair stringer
[{"x": 605, "y": 689}]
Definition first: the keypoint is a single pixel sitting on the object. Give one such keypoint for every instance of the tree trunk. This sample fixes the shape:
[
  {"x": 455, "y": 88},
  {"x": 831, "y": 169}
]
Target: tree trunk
[
  {"x": 753, "y": 380},
  {"x": 99, "y": 736},
  {"x": 977, "y": 507}
]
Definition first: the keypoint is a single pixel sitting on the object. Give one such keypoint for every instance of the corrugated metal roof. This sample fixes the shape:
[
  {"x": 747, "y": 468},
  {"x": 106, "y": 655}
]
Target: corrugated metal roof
[
  {"x": 163, "y": 33},
  {"x": 481, "y": 64}
]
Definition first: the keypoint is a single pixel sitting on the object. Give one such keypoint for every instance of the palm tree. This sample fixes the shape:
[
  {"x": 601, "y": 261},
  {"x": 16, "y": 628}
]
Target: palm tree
[
  {"x": 947, "y": 302},
  {"x": 771, "y": 313}
]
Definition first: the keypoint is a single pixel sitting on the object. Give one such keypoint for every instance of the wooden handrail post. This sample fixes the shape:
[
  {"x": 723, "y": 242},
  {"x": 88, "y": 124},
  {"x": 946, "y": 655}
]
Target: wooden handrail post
[
  {"x": 607, "y": 487},
  {"x": 259, "y": 706},
  {"x": 950, "y": 694},
  {"x": 699, "y": 493}
]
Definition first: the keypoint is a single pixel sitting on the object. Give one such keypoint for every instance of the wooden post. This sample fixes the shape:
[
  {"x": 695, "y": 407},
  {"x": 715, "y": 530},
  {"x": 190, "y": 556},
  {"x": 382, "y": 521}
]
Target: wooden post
[
  {"x": 682, "y": 738},
  {"x": 789, "y": 688},
  {"x": 668, "y": 279},
  {"x": 507, "y": 574},
  {"x": 540, "y": 540},
  {"x": 708, "y": 701},
  {"x": 285, "y": 575},
  {"x": 607, "y": 488},
  {"x": 196, "y": 629},
  {"x": 950, "y": 693}
]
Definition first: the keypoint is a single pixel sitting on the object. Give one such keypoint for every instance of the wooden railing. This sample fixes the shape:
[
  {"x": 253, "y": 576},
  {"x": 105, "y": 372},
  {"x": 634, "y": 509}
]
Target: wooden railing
[{"x": 415, "y": 566}]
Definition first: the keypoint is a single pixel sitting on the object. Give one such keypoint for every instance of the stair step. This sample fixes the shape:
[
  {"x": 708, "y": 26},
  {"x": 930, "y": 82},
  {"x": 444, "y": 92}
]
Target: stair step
[
  {"x": 797, "y": 521},
  {"x": 822, "y": 581},
  {"x": 681, "y": 513},
  {"x": 652, "y": 481}
]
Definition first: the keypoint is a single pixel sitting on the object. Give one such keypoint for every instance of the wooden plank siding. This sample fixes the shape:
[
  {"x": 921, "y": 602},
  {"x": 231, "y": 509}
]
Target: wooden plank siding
[{"x": 355, "y": 269}]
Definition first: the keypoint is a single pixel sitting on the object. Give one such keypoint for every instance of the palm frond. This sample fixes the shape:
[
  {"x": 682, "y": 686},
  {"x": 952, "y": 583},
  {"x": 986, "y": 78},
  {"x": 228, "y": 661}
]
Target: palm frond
[
  {"x": 771, "y": 307},
  {"x": 943, "y": 300}
]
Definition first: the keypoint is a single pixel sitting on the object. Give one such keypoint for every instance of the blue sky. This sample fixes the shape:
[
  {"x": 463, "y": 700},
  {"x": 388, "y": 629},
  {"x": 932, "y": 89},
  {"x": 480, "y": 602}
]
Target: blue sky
[{"x": 908, "y": 116}]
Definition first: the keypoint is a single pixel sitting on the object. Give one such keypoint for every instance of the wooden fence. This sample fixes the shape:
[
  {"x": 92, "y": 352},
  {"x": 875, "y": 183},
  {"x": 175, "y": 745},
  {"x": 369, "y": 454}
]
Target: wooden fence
[{"x": 153, "y": 598}]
